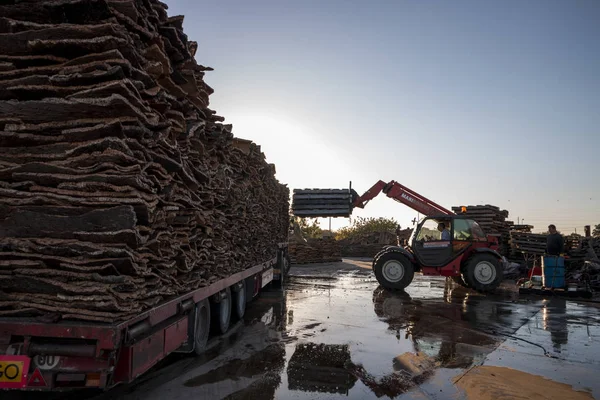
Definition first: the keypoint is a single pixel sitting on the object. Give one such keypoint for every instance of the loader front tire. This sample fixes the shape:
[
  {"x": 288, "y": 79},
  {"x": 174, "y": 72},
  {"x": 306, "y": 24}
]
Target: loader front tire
[{"x": 393, "y": 271}]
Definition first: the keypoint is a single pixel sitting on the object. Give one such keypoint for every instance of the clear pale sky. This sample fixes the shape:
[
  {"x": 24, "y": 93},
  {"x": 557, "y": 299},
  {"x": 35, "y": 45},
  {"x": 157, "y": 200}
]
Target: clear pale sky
[{"x": 466, "y": 102}]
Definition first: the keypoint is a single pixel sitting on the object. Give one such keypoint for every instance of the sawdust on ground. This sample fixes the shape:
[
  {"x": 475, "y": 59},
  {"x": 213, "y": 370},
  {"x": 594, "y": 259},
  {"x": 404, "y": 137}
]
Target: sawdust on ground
[{"x": 487, "y": 383}]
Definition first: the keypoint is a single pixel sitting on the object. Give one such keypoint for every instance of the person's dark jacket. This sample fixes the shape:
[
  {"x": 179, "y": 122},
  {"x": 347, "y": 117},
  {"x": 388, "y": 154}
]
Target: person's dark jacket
[{"x": 555, "y": 244}]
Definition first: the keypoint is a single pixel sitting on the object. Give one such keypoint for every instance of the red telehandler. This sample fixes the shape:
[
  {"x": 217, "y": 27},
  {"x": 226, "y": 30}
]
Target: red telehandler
[{"x": 468, "y": 255}]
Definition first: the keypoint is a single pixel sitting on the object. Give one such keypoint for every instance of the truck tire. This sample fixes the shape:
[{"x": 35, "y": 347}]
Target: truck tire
[
  {"x": 483, "y": 272},
  {"x": 283, "y": 263},
  {"x": 288, "y": 263},
  {"x": 239, "y": 301},
  {"x": 279, "y": 284},
  {"x": 201, "y": 326},
  {"x": 393, "y": 271},
  {"x": 221, "y": 313}
]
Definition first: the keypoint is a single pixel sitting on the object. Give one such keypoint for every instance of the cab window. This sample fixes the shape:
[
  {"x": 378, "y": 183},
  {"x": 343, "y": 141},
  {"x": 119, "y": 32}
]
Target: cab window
[
  {"x": 468, "y": 230},
  {"x": 429, "y": 231},
  {"x": 478, "y": 234},
  {"x": 462, "y": 230}
]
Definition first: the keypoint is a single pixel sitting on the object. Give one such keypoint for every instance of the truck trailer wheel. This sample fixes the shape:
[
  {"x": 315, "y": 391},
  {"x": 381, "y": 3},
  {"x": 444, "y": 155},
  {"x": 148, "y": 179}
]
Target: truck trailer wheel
[
  {"x": 283, "y": 263},
  {"x": 201, "y": 326},
  {"x": 483, "y": 272},
  {"x": 393, "y": 271},
  {"x": 221, "y": 312},
  {"x": 239, "y": 300}
]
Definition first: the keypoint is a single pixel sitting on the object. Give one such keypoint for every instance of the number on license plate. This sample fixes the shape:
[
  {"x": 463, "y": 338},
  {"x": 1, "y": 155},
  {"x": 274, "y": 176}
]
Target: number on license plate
[{"x": 13, "y": 371}]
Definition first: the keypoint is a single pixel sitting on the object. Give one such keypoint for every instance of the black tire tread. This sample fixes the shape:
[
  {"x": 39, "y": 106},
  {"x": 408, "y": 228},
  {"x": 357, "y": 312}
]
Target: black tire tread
[
  {"x": 237, "y": 313},
  {"x": 216, "y": 314},
  {"x": 409, "y": 272},
  {"x": 200, "y": 343},
  {"x": 469, "y": 272}
]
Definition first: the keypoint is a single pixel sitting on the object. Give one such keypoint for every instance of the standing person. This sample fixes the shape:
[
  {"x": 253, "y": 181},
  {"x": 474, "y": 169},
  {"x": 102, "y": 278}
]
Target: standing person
[{"x": 555, "y": 244}]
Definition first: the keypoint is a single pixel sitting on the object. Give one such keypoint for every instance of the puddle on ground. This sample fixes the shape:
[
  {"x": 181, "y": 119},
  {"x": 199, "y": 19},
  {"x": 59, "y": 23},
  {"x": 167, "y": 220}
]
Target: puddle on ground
[
  {"x": 347, "y": 337},
  {"x": 344, "y": 337},
  {"x": 269, "y": 359}
]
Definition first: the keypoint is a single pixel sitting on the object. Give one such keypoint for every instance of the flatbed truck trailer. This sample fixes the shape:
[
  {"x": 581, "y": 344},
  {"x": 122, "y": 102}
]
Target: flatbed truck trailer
[{"x": 69, "y": 355}]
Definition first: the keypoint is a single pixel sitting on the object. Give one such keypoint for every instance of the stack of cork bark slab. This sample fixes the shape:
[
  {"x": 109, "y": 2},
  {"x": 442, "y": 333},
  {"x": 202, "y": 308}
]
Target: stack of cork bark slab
[
  {"x": 588, "y": 250},
  {"x": 314, "y": 251},
  {"x": 529, "y": 243},
  {"x": 119, "y": 187},
  {"x": 492, "y": 220},
  {"x": 314, "y": 203},
  {"x": 573, "y": 242},
  {"x": 583, "y": 264},
  {"x": 370, "y": 244},
  {"x": 522, "y": 228}
]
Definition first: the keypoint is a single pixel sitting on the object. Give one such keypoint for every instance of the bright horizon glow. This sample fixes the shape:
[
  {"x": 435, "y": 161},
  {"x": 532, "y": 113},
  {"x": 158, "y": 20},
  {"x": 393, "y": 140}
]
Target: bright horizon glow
[{"x": 466, "y": 103}]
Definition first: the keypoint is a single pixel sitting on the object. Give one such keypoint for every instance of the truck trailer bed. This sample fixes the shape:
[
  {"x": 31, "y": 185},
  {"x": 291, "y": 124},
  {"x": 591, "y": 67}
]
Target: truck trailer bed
[{"x": 37, "y": 355}]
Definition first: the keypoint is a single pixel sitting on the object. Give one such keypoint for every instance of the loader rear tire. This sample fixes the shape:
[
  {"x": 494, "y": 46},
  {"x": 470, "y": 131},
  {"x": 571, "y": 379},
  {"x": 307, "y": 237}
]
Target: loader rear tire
[
  {"x": 483, "y": 272},
  {"x": 393, "y": 271}
]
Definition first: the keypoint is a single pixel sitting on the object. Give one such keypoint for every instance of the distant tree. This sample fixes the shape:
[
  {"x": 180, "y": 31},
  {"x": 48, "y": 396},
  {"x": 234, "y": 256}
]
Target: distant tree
[
  {"x": 596, "y": 231},
  {"x": 310, "y": 227},
  {"x": 364, "y": 226}
]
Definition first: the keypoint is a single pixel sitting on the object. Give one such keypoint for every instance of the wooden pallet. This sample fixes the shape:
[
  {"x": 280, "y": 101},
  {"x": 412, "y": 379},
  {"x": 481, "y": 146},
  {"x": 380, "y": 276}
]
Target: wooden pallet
[{"x": 557, "y": 292}]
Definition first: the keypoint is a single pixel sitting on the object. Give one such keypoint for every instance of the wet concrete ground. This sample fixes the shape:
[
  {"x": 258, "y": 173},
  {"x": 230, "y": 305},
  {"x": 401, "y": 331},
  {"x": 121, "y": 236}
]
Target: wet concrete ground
[{"x": 335, "y": 334}]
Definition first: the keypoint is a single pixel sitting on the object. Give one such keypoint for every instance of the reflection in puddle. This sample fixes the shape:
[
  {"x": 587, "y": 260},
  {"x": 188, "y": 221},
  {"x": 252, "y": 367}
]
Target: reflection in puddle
[
  {"x": 438, "y": 329},
  {"x": 271, "y": 358},
  {"x": 347, "y": 337},
  {"x": 320, "y": 368},
  {"x": 262, "y": 388}
]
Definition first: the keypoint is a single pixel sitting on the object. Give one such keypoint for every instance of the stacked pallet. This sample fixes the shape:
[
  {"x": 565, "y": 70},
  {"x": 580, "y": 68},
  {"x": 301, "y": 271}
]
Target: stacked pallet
[
  {"x": 119, "y": 187},
  {"x": 573, "y": 242},
  {"x": 533, "y": 243},
  {"x": 493, "y": 222},
  {"x": 522, "y": 228},
  {"x": 313, "y": 203},
  {"x": 587, "y": 248},
  {"x": 314, "y": 251},
  {"x": 583, "y": 264},
  {"x": 528, "y": 243},
  {"x": 370, "y": 244}
]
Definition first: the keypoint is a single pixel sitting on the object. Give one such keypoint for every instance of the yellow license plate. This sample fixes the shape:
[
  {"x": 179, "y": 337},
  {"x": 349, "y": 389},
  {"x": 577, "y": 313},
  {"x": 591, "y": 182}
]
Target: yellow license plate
[{"x": 13, "y": 371}]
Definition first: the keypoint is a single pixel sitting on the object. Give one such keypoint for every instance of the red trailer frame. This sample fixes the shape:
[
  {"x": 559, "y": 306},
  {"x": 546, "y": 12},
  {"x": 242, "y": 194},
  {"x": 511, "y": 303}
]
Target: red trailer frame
[{"x": 69, "y": 354}]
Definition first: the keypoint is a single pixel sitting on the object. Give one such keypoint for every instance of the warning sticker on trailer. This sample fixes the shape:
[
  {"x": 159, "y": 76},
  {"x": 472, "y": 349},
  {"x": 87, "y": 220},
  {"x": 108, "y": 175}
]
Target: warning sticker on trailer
[
  {"x": 267, "y": 277},
  {"x": 13, "y": 371}
]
